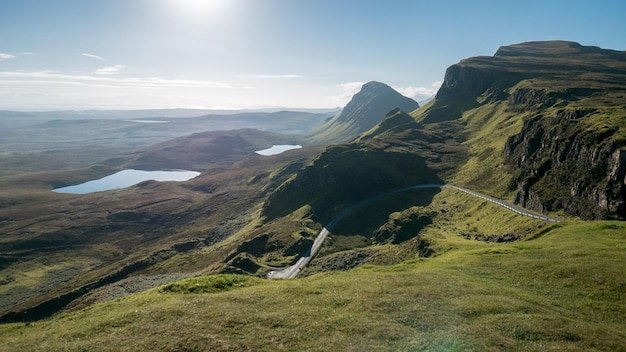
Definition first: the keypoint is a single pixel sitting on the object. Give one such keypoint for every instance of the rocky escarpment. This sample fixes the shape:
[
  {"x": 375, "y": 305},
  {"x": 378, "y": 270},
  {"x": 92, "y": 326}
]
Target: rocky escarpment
[
  {"x": 554, "y": 113},
  {"x": 564, "y": 166},
  {"x": 562, "y": 65},
  {"x": 465, "y": 81}
]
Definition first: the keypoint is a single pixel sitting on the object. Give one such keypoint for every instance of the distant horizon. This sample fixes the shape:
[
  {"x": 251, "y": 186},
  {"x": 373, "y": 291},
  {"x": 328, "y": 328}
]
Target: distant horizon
[
  {"x": 260, "y": 109},
  {"x": 268, "y": 108},
  {"x": 253, "y": 54},
  {"x": 423, "y": 100},
  {"x": 420, "y": 99}
]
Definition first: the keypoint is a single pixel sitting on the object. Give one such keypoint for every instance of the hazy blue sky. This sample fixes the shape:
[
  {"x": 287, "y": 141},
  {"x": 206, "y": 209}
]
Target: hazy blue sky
[{"x": 257, "y": 53}]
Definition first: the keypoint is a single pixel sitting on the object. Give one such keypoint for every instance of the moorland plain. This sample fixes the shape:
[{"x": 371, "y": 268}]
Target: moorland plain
[{"x": 54, "y": 244}]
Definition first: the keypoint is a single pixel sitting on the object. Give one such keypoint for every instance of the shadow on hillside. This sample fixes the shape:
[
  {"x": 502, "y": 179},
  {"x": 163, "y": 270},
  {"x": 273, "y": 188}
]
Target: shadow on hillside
[
  {"x": 366, "y": 220},
  {"x": 346, "y": 175}
]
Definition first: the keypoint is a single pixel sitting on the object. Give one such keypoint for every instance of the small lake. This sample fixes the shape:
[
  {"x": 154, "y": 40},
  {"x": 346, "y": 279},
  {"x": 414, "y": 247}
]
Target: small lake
[
  {"x": 127, "y": 178},
  {"x": 277, "y": 149},
  {"x": 147, "y": 121}
]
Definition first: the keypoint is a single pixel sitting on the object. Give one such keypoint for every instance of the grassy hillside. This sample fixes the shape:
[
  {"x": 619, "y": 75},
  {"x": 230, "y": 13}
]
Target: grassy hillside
[
  {"x": 488, "y": 127},
  {"x": 471, "y": 295}
]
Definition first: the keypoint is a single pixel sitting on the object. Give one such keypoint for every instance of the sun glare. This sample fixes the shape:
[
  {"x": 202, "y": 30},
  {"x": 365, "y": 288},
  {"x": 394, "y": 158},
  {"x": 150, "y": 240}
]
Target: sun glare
[{"x": 200, "y": 9}]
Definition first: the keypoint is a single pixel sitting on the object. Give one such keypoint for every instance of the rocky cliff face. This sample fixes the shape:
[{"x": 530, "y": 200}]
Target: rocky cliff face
[
  {"x": 464, "y": 81},
  {"x": 563, "y": 166}
]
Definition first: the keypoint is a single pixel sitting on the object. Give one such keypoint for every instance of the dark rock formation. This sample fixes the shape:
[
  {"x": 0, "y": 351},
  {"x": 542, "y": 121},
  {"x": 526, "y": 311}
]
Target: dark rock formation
[{"x": 562, "y": 166}]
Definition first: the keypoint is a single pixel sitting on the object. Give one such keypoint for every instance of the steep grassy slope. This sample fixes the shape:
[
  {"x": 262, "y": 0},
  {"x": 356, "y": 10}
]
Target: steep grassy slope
[
  {"x": 475, "y": 296},
  {"x": 395, "y": 154},
  {"x": 399, "y": 154}
]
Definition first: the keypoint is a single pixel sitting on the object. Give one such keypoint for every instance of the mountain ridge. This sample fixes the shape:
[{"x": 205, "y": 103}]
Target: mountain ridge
[
  {"x": 480, "y": 118},
  {"x": 550, "y": 101}
]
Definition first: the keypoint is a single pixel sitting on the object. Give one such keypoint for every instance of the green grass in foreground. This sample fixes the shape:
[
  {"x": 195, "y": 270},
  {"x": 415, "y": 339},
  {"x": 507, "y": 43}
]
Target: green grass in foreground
[{"x": 563, "y": 290}]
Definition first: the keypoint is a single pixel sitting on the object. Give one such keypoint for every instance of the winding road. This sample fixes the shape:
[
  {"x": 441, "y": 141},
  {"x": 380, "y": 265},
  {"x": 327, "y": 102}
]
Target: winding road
[{"x": 292, "y": 271}]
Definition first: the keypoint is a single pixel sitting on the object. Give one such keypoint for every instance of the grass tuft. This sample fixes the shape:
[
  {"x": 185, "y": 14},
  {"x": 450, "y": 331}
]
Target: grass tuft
[{"x": 209, "y": 284}]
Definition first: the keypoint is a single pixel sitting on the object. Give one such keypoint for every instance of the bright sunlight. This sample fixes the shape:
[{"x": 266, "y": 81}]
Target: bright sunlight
[{"x": 200, "y": 9}]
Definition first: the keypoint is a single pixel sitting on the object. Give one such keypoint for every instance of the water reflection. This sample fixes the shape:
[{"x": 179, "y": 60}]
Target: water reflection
[
  {"x": 277, "y": 149},
  {"x": 126, "y": 178}
]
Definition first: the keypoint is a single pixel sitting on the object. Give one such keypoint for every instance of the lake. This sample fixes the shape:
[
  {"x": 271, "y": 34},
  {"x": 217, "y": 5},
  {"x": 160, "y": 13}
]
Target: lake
[
  {"x": 127, "y": 178},
  {"x": 277, "y": 149},
  {"x": 147, "y": 121}
]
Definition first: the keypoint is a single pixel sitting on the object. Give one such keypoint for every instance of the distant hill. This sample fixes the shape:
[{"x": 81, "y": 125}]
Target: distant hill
[
  {"x": 364, "y": 111},
  {"x": 31, "y": 132},
  {"x": 207, "y": 149}
]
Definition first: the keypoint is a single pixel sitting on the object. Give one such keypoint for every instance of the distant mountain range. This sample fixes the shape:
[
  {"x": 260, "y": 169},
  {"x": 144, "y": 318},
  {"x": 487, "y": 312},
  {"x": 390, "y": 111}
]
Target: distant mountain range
[{"x": 151, "y": 113}]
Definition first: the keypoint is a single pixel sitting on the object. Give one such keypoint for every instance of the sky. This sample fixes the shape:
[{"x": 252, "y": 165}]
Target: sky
[{"x": 232, "y": 54}]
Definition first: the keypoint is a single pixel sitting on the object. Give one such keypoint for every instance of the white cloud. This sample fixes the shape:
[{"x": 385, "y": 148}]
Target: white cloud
[
  {"x": 55, "y": 79},
  {"x": 4, "y": 56},
  {"x": 419, "y": 92},
  {"x": 351, "y": 86},
  {"x": 275, "y": 76},
  {"x": 347, "y": 90},
  {"x": 110, "y": 70},
  {"x": 93, "y": 56},
  {"x": 39, "y": 90},
  {"x": 26, "y": 53}
]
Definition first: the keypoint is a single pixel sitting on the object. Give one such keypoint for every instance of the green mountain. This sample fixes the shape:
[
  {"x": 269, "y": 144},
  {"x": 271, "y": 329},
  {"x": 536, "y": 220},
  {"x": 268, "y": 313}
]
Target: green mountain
[
  {"x": 539, "y": 124},
  {"x": 545, "y": 122},
  {"x": 365, "y": 110}
]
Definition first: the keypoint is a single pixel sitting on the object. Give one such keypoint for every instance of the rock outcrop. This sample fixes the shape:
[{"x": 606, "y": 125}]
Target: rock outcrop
[{"x": 563, "y": 166}]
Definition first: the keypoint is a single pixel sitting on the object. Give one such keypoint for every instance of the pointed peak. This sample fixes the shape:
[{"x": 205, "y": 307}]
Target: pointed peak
[
  {"x": 394, "y": 121},
  {"x": 374, "y": 84},
  {"x": 374, "y": 87},
  {"x": 365, "y": 110}
]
